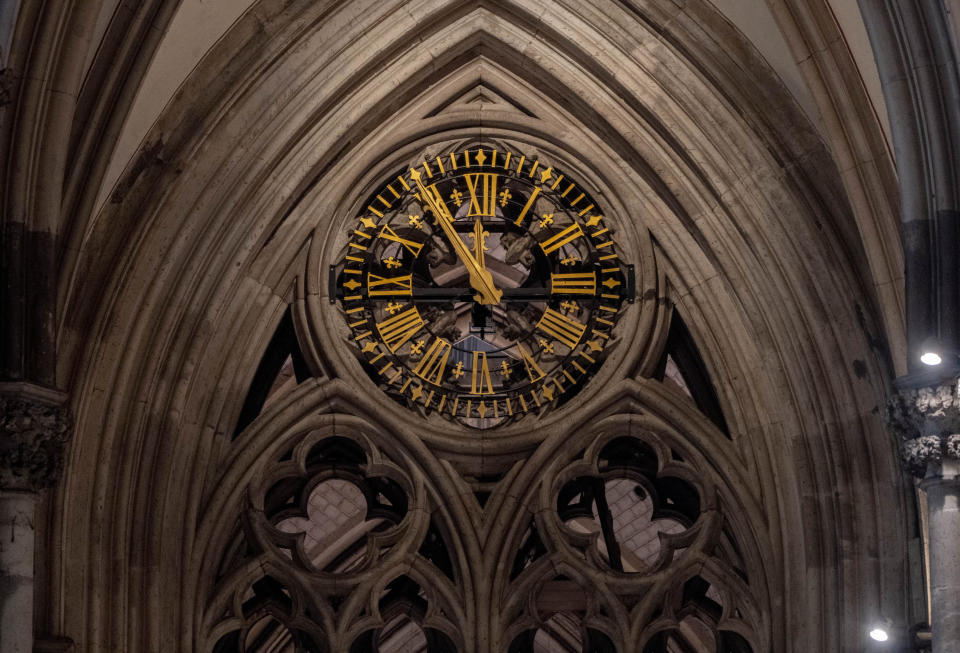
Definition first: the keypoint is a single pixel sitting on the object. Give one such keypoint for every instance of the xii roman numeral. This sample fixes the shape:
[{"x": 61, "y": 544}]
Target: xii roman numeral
[{"x": 483, "y": 194}]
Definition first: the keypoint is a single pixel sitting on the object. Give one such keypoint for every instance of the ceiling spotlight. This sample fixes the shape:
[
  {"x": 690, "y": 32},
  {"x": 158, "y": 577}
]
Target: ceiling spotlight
[
  {"x": 932, "y": 351},
  {"x": 879, "y": 634}
]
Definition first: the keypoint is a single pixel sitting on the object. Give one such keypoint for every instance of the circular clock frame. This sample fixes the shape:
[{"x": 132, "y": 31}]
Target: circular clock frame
[{"x": 482, "y": 286}]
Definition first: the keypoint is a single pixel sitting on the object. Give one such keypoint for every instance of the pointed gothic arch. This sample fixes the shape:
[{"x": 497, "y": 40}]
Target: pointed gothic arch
[{"x": 233, "y": 209}]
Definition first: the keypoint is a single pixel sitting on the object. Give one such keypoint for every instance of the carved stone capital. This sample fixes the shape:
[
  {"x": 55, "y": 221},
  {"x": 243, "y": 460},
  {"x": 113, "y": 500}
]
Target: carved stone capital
[
  {"x": 927, "y": 423},
  {"x": 34, "y": 430}
]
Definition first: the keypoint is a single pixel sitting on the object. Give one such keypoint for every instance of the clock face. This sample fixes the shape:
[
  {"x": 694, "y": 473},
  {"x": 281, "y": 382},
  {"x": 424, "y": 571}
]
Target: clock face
[{"x": 481, "y": 286}]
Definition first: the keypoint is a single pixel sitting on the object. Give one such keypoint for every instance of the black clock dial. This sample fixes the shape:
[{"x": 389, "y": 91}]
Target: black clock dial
[{"x": 481, "y": 286}]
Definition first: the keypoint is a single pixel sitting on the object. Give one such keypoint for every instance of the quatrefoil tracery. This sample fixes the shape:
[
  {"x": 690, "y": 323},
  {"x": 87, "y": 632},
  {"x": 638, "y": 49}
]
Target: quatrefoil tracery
[
  {"x": 619, "y": 550},
  {"x": 332, "y": 532},
  {"x": 630, "y": 505},
  {"x": 320, "y": 478},
  {"x": 630, "y": 493}
]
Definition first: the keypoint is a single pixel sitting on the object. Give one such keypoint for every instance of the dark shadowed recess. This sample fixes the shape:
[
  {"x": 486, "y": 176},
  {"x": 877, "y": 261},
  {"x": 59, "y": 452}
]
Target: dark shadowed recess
[
  {"x": 283, "y": 350},
  {"x": 683, "y": 350}
]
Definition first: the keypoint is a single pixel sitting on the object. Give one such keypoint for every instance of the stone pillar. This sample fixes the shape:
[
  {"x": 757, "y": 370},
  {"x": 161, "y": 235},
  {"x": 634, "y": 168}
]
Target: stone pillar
[
  {"x": 16, "y": 571},
  {"x": 943, "y": 501},
  {"x": 34, "y": 429},
  {"x": 928, "y": 422}
]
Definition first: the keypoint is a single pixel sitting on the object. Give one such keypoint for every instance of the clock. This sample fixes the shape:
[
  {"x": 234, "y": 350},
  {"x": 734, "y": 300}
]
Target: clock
[{"x": 481, "y": 286}]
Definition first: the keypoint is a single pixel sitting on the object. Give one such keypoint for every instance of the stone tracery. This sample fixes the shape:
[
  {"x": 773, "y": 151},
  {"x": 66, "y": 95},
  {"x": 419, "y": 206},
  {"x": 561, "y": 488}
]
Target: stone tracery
[
  {"x": 356, "y": 579},
  {"x": 560, "y": 587}
]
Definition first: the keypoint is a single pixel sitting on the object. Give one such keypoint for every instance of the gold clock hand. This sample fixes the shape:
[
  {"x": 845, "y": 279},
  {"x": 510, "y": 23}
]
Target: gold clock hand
[
  {"x": 480, "y": 278},
  {"x": 479, "y": 243},
  {"x": 445, "y": 220}
]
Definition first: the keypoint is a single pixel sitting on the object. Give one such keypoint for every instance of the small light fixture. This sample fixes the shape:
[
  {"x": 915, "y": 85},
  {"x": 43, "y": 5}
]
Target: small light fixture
[
  {"x": 880, "y": 632},
  {"x": 931, "y": 351}
]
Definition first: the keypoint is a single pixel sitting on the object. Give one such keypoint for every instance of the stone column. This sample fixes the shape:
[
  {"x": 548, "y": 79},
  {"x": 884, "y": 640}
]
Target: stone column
[
  {"x": 16, "y": 571},
  {"x": 928, "y": 421},
  {"x": 33, "y": 431}
]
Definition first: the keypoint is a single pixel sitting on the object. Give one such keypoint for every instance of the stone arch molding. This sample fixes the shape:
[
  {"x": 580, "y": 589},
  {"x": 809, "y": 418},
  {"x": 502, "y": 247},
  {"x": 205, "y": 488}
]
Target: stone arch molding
[{"x": 265, "y": 153}]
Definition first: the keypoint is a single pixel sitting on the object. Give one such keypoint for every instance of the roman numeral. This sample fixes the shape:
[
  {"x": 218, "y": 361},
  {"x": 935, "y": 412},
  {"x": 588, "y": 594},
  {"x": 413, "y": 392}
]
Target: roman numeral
[
  {"x": 434, "y": 363},
  {"x": 480, "y": 383},
  {"x": 483, "y": 194},
  {"x": 533, "y": 370},
  {"x": 411, "y": 246},
  {"x": 574, "y": 283},
  {"x": 526, "y": 207},
  {"x": 565, "y": 329},
  {"x": 402, "y": 285},
  {"x": 401, "y": 327},
  {"x": 558, "y": 240}
]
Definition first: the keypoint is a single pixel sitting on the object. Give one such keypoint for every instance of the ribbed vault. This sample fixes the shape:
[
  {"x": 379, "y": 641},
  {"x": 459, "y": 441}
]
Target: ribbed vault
[{"x": 713, "y": 180}]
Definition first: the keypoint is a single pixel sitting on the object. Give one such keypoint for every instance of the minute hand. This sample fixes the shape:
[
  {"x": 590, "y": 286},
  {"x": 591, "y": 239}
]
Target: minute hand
[{"x": 480, "y": 278}]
